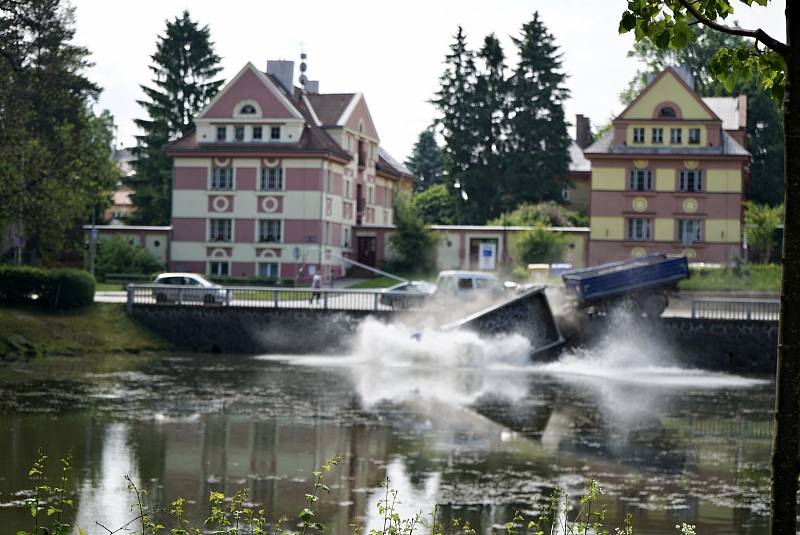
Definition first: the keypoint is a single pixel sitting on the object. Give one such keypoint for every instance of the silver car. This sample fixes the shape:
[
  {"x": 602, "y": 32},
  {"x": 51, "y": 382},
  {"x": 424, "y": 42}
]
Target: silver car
[{"x": 187, "y": 288}]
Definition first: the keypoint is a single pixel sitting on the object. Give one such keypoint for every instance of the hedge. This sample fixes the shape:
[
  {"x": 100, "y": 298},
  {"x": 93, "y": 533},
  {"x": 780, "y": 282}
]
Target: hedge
[{"x": 55, "y": 288}]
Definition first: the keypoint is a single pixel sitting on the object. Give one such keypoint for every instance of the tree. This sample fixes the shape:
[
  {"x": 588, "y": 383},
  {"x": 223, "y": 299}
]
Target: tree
[
  {"x": 437, "y": 205},
  {"x": 456, "y": 124},
  {"x": 764, "y": 138},
  {"x": 538, "y": 138},
  {"x": 426, "y": 161},
  {"x": 55, "y": 154},
  {"x": 117, "y": 255},
  {"x": 668, "y": 23},
  {"x": 413, "y": 244},
  {"x": 760, "y": 222},
  {"x": 538, "y": 245},
  {"x": 548, "y": 213},
  {"x": 184, "y": 67}
]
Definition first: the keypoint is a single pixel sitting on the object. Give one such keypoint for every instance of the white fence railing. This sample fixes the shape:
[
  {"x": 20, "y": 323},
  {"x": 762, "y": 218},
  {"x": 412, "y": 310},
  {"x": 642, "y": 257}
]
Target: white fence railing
[
  {"x": 736, "y": 309},
  {"x": 270, "y": 297}
]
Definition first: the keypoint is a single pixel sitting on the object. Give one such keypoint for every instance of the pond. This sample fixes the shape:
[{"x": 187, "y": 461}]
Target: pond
[{"x": 470, "y": 425}]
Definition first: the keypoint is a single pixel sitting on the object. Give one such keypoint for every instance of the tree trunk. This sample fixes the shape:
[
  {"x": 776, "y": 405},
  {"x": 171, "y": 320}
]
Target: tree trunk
[{"x": 786, "y": 444}]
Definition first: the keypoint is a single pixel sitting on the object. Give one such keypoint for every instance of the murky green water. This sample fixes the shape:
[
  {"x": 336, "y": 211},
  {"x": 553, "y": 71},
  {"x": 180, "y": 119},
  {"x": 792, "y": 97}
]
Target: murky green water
[{"x": 479, "y": 438}]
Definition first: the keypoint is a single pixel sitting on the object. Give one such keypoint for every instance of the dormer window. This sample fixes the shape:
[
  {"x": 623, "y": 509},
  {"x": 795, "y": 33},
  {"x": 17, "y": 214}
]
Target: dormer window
[
  {"x": 275, "y": 133},
  {"x": 247, "y": 109},
  {"x": 667, "y": 112}
]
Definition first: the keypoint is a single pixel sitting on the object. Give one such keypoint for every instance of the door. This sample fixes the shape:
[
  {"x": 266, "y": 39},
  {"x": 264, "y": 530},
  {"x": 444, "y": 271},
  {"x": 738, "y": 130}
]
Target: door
[
  {"x": 476, "y": 252},
  {"x": 367, "y": 246},
  {"x": 360, "y": 204}
]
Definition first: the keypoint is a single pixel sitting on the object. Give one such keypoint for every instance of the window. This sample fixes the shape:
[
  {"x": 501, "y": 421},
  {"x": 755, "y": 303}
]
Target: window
[
  {"x": 257, "y": 132},
  {"x": 247, "y": 109},
  {"x": 690, "y": 231},
  {"x": 641, "y": 180},
  {"x": 269, "y": 270},
  {"x": 219, "y": 269},
  {"x": 387, "y": 196},
  {"x": 221, "y": 133},
  {"x": 346, "y": 189},
  {"x": 691, "y": 180},
  {"x": 638, "y": 135},
  {"x": 667, "y": 111},
  {"x": 675, "y": 136},
  {"x": 271, "y": 178},
  {"x": 639, "y": 229},
  {"x": 565, "y": 192},
  {"x": 269, "y": 230},
  {"x": 275, "y": 133},
  {"x": 694, "y": 136},
  {"x": 346, "y": 240},
  {"x": 658, "y": 135},
  {"x": 329, "y": 183},
  {"x": 222, "y": 178},
  {"x": 370, "y": 194},
  {"x": 219, "y": 230},
  {"x": 239, "y": 133}
]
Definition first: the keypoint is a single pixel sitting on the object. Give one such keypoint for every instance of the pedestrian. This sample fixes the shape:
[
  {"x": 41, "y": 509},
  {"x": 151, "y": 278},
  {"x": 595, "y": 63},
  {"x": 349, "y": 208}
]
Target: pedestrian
[{"x": 316, "y": 288}]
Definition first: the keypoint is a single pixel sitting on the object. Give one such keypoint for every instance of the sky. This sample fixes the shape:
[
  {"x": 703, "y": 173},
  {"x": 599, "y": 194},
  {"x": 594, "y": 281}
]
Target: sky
[{"x": 392, "y": 52}]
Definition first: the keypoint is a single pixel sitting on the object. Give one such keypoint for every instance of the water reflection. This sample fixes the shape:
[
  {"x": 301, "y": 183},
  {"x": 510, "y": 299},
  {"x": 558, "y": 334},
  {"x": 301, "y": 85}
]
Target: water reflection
[{"x": 479, "y": 438}]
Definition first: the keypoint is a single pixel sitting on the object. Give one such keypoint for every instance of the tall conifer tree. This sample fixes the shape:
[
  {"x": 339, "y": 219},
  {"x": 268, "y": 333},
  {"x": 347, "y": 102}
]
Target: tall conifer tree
[
  {"x": 538, "y": 135},
  {"x": 426, "y": 161},
  {"x": 184, "y": 68}
]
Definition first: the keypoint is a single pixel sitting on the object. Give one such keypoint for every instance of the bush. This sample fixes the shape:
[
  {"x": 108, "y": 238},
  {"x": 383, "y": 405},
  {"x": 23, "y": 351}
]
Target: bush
[
  {"x": 548, "y": 213},
  {"x": 18, "y": 284},
  {"x": 68, "y": 288},
  {"x": 57, "y": 288},
  {"x": 413, "y": 244},
  {"x": 538, "y": 245},
  {"x": 117, "y": 255}
]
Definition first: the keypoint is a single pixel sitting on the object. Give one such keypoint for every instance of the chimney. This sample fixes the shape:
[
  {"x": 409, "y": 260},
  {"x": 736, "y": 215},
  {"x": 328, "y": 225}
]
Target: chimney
[
  {"x": 312, "y": 86},
  {"x": 583, "y": 134},
  {"x": 283, "y": 70}
]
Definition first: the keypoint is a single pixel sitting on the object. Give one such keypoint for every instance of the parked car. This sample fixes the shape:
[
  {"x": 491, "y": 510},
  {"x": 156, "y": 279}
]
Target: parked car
[
  {"x": 187, "y": 288},
  {"x": 468, "y": 284},
  {"x": 407, "y": 294}
]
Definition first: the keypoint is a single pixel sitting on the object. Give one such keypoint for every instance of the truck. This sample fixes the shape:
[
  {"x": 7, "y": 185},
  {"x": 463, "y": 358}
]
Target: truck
[{"x": 645, "y": 282}]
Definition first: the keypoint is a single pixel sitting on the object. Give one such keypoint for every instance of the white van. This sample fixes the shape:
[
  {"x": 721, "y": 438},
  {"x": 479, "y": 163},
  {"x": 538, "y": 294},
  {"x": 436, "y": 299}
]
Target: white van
[{"x": 468, "y": 284}]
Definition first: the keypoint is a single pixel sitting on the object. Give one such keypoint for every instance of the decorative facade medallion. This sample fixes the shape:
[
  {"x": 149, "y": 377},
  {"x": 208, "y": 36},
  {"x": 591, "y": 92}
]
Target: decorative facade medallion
[
  {"x": 270, "y": 204},
  {"x": 640, "y": 164},
  {"x": 689, "y": 205},
  {"x": 222, "y": 162},
  {"x": 220, "y": 204},
  {"x": 219, "y": 253},
  {"x": 689, "y": 253},
  {"x": 636, "y": 252},
  {"x": 270, "y": 162},
  {"x": 639, "y": 204},
  {"x": 691, "y": 164}
]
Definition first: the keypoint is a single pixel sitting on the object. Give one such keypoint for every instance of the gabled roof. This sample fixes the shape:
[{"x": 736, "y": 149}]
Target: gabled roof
[
  {"x": 577, "y": 161},
  {"x": 329, "y": 107},
  {"x": 732, "y": 111},
  {"x": 388, "y": 165},
  {"x": 656, "y": 81}
]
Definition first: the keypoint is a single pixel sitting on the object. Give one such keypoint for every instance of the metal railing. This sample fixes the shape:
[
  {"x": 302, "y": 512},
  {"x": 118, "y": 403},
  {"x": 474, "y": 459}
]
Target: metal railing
[
  {"x": 736, "y": 309},
  {"x": 272, "y": 297}
]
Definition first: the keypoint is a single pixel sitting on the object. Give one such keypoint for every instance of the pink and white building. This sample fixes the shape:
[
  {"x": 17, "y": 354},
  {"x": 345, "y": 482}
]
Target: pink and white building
[{"x": 278, "y": 181}]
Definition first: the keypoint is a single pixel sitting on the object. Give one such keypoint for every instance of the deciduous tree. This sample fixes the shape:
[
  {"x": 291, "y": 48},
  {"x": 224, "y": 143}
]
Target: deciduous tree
[{"x": 776, "y": 64}]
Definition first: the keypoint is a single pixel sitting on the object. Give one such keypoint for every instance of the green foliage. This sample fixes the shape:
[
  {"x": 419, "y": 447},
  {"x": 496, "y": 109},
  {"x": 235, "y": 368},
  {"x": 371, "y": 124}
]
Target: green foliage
[
  {"x": 437, "y": 205},
  {"x": 55, "y": 153},
  {"x": 413, "y": 244},
  {"x": 504, "y": 131},
  {"x": 117, "y": 255},
  {"x": 764, "y": 138},
  {"x": 56, "y": 288},
  {"x": 538, "y": 245},
  {"x": 426, "y": 161},
  {"x": 49, "y": 502},
  {"x": 548, "y": 213},
  {"x": 184, "y": 67},
  {"x": 749, "y": 277},
  {"x": 761, "y": 222}
]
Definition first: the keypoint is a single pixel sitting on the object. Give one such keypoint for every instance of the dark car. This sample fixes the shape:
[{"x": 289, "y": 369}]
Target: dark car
[{"x": 409, "y": 294}]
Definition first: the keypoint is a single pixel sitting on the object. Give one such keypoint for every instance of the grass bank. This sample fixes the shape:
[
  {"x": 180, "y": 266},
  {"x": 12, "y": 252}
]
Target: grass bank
[
  {"x": 750, "y": 277},
  {"x": 28, "y": 331}
]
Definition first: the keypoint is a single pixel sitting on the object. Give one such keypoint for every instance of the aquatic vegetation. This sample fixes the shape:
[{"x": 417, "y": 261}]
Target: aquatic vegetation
[{"x": 233, "y": 515}]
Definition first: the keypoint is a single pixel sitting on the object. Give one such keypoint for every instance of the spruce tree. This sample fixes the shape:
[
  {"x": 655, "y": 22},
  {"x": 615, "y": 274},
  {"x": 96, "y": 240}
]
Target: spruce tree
[
  {"x": 184, "y": 67},
  {"x": 456, "y": 123},
  {"x": 426, "y": 161},
  {"x": 538, "y": 136}
]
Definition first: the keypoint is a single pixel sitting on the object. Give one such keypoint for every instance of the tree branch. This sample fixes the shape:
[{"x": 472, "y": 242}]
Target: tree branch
[{"x": 758, "y": 35}]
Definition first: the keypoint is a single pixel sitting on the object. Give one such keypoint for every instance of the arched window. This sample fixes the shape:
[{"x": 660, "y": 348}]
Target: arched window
[
  {"x": 667, "y": 111},
  {"x": 247, "y": 109}
]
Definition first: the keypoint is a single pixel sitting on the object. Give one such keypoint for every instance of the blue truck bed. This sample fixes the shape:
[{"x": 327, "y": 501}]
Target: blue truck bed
[{"x": 608, "y": 281}]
